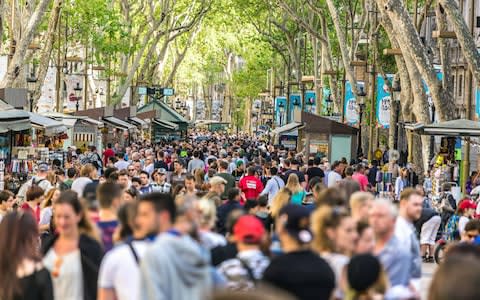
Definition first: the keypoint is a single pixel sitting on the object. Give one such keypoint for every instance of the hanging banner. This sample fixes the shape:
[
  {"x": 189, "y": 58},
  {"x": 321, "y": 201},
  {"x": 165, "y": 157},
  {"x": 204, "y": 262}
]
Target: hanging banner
[
  {"x": 295, "y": 103},
  {"x": 351, "y": 107},
  {"x": 325, "y": 103},
  {"x": 383, "y": 101},
  {"x": 47, "y": 100},
  {"x": 71, "y": 101},
  {"x": 310, "y": 101},
  {"x": 477, "y": 101},
  {"x": 280, "y": 107}
]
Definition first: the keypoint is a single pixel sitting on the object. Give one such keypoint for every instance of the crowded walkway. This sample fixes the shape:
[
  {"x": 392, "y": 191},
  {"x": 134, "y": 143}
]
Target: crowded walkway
[{"x": 231, "y": 217}]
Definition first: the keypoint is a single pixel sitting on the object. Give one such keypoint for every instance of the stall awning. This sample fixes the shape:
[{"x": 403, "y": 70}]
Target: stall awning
[
  {"x": 13, "y": 119},
  {"x": 459, "y": 127},
  {"x": 116, "y": 122},
  {"x": 286, "y": 128},
  {"x": 93, "y": 121},
  {"x": 166, "y": 124},
  {"x": 137, "y": 121},
  {"x": 51, "y": 126}
]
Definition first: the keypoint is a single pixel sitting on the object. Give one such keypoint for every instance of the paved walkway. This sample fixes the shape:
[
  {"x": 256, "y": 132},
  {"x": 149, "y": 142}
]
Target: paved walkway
[{"x": 427, "y": 273}]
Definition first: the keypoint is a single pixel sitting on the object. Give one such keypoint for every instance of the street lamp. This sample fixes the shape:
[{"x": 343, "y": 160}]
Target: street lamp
[
  {"x": 31, "y": 81},
  {"x": 329, "y": 101},
  {"x": 396, "y": 89},
  {"x": 361, "y": 106},
  {"x": 78, "y": 91}
]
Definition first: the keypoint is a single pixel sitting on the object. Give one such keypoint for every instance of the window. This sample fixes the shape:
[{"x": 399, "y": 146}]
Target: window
[{"x": 460, "y": 85}]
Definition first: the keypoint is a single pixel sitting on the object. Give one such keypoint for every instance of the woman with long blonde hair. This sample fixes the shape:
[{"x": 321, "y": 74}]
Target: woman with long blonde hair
[
  {"x": 281, "y": 199},
  {"x": 46, "y": 213},
  {"x": 298, "y": 193}
]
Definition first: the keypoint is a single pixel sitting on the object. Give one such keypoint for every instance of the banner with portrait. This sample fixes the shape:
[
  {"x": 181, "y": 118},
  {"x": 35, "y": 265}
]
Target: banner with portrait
[
  {"x": 352, "y": 115},
  {"x": 384, "y": 101},
  {"x": 280, "y": 108}
]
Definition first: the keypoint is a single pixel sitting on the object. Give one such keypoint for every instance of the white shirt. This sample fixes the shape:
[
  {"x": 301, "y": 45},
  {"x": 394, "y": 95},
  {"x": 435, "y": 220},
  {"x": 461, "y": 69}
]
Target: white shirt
[
  {"x": 403, "y": 230},
  {"x": 68, "y": 285},
  {"x": 46, "y": 215},
  {"x": 333, "y": 178},
  {"x": 461, "y": 224},
  {"x": 120, "y": 271},
  {"x": 121, "y": 165}
]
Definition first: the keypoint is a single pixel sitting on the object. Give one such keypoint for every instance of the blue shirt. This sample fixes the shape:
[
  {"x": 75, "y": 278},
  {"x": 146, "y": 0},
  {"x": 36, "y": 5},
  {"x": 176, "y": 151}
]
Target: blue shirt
[{"x": 397, "y": 262}]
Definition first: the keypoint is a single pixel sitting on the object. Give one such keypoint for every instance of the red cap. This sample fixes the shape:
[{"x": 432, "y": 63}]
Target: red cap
[
  {"x": 248, "y": 229},
  {"x": 466, "y": 204}
]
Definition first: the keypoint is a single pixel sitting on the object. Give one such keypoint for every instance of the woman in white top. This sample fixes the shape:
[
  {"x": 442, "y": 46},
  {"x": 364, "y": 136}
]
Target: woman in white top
[
  {"x": 334, "y": 239},
  {"x": 47, "y": 210},
  {"x": 72, "y": 256}
]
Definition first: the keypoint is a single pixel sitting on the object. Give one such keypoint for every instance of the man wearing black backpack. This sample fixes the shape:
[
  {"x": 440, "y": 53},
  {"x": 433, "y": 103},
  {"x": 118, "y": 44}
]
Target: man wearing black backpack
[{"x": 39, "y": 180}]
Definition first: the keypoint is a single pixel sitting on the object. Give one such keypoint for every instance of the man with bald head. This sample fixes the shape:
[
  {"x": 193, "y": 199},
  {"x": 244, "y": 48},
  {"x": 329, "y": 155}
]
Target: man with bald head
[{"x": 394, "y": 258}]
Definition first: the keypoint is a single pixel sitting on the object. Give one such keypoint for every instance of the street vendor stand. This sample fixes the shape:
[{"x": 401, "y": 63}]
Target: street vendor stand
[{"x": 447, "y": 163}]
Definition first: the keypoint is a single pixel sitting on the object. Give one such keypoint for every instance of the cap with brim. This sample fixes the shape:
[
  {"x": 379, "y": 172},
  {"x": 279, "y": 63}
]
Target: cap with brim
[
  {"x": 43, "y": 167},
  {"x": 162, "y": 171},
  {"x": 296, "y": 220},
  {"x": 248, "y": 229}
]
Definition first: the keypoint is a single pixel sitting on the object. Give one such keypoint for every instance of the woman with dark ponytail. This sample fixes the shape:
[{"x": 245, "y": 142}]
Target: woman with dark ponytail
[
  {"x": 73, "y": 254},
  {"x": 22, "y": 275}
]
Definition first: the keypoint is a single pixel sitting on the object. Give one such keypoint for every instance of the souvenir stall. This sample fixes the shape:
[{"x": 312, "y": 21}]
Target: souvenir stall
[
  {"x": 14, "y": 130},
  {"x": 116, "y": 131},
  {"x": 447, "y": 162}
]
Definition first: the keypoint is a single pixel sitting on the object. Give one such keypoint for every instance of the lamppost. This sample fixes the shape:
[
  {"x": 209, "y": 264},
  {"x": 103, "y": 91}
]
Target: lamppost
[
  {"x": 361, "y": 106},
  {"x": 396, "y": 89},
  {"x": 78, "y": 91},
  {"x": 329, "y": 101},
  {"x": 31, "y": 81}
]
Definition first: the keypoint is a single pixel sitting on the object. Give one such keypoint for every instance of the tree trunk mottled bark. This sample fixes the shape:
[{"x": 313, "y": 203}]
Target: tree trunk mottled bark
[
  {"x": 411, "y": 84},
  {"x": 410, "y": 44},
  {"x": 47, "y": 48},
  {"x": 17, "y": 63},
  {"x": 180, "y": 56}
]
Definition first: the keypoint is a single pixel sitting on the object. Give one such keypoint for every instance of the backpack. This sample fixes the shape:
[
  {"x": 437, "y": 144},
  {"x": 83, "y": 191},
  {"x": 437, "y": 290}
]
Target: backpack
[
  {"x": 451, "y": 229},
  {"x": 27, "y": 185}
]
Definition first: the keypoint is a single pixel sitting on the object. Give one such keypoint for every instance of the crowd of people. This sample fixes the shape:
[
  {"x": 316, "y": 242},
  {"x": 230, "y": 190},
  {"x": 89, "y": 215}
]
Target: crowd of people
[{"x": 227, "y": 217}]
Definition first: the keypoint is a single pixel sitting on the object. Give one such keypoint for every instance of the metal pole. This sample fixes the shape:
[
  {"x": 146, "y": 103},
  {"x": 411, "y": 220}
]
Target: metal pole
[
  {"x": 85, "y": 79},
  {"x": 373, "y": 93},
  {"x": 469, "y": 96}
]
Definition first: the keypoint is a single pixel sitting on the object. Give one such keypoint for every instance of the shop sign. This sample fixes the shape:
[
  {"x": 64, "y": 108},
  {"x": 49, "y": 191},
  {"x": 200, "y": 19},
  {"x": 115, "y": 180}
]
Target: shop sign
[{"x": 288, "y": 141}]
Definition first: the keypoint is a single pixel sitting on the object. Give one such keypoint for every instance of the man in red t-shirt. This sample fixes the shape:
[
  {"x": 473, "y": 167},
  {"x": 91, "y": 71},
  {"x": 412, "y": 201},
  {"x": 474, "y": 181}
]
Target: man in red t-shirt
[
  {"x": 251, "y": 185},
  {"x": 108, "y": 153},
  {"x": 34, "y": 197},
  {"x": 360, "y": 177}
]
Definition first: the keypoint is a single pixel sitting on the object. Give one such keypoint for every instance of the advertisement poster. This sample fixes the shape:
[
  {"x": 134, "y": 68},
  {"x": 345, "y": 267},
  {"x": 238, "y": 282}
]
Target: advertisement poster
[
  {"x": 47, "y": 100},
  {"x": 310, "y": 101},
  {"x": 383, "y": 101},
  {"x": 295, "y": 102},
  {"x": 280, "y": 107},
  {"x": 477, "y": 102},
  {"x": 351, "y": 109},
  {"x": 71, "y": 101}
]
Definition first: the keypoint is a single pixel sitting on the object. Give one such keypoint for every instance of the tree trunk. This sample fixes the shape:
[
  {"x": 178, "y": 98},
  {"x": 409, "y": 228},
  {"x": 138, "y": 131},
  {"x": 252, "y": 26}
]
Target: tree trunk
[
  {"x": 47, "y": 48},
  {"x": 410, "y": 44},
  {"x": 464, "y": 36},
  {"x": 333, "y": 9},
  {"x": 181, "y": 56},
  {"x": 17, "y": 63}
]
